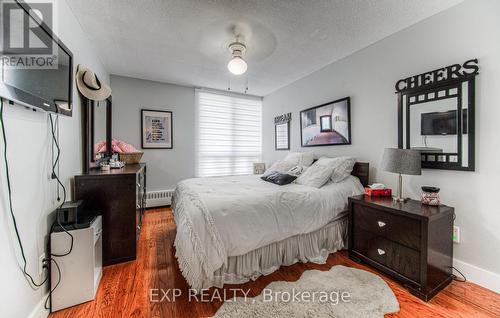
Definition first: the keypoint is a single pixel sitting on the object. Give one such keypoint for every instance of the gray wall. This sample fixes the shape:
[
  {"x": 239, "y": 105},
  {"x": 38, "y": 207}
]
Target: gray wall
[
  {"x": 166, "y": 167},
  {"x": 34, "y": 193},
  {"x": 466, "y": 31}
]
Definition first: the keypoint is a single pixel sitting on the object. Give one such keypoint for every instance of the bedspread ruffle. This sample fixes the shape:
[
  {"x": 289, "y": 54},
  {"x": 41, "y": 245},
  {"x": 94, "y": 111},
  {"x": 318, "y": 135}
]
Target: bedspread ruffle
[
  {"x": 311, "y": 247},
  {"x": 199, "y": 248}
]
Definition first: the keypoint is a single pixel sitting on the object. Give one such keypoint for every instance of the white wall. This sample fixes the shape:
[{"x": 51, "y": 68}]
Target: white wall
[
  {"x": 34, "y": 193},
  {"x": 166, "y": 167},
  {"x": 466, "y": 31}
]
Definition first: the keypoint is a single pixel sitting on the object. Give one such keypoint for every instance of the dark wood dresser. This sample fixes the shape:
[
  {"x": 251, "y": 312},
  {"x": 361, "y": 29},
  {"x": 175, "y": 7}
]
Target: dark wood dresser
[
  {"x": 120, "y": 195},
  {"x": 409, "y": 241}
]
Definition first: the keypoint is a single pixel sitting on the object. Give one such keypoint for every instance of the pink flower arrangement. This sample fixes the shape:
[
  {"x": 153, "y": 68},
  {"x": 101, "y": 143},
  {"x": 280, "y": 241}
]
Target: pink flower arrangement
[{"x": 117, "y": 146}]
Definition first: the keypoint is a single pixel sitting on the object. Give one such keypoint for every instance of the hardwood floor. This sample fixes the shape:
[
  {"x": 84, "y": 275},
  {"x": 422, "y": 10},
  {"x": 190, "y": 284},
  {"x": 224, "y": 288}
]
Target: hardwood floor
[{"x": 124, "y": 289}]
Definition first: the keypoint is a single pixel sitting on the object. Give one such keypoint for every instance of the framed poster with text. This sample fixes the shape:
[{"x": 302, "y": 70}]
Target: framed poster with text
[{"x": 156, "y": 127}]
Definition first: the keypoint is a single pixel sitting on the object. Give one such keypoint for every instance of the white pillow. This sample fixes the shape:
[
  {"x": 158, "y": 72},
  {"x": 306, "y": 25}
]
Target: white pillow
[
  {"x": 280, "y": 166},
  {"x": 296, "y": 171},
  {"x": 301, "y": 158},
  {"x": 342, "y": 167},
  {"x": 315, "y": 176}
]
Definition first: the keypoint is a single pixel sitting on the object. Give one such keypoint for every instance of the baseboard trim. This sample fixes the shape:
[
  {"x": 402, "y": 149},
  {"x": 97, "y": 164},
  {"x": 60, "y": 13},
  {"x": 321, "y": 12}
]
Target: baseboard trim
[
  {"x": 479, "y": 275},
  {"x": 39, "y": 311}
]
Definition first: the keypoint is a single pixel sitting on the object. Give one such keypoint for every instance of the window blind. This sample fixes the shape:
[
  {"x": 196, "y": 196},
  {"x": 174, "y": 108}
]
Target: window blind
[{"x": 229, "y": 134}]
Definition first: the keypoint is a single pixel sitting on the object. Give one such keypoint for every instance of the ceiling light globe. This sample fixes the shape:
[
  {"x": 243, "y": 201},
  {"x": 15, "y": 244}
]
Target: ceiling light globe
[{"x": 237, "y": 65}]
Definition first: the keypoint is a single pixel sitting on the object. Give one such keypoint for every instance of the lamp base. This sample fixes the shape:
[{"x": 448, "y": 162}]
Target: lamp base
[{"x": 399, "y": 199}]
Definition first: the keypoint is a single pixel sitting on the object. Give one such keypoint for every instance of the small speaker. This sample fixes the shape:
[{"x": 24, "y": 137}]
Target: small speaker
[{"x": 69, "y": 212}]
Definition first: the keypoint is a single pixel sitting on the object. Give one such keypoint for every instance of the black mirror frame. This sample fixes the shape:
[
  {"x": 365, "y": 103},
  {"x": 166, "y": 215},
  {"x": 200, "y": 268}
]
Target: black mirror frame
[
  {"x": 88, "y": 129},
  {"x": 445, "y": 85}
]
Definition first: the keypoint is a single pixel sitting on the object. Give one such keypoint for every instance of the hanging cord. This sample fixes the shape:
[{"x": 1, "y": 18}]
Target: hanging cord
[
  {"x": 56, "y": 176},
  {"x": 11, "y": 209},
  {"x": 49, "y": 296},
  {"x": 56, "y": 164}
]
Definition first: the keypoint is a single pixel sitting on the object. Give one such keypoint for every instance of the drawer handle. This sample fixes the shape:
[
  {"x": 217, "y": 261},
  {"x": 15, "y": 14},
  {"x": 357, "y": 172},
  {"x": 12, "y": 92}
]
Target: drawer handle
[
  {"x": 381, "y": 224},
  {"x": 380, "y": 252}
]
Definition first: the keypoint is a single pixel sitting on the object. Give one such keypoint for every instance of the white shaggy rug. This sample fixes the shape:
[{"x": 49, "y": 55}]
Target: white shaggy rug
[{"x": 319, "y": 294}]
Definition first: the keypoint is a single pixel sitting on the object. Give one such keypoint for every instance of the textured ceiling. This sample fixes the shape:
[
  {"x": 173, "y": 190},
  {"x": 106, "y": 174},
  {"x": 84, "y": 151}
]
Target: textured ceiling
[{"x": 185, "y": 41}]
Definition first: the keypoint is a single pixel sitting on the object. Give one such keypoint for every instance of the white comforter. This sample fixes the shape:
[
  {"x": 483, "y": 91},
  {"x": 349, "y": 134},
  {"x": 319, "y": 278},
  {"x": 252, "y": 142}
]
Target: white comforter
[{"x": 228, "y": 216}]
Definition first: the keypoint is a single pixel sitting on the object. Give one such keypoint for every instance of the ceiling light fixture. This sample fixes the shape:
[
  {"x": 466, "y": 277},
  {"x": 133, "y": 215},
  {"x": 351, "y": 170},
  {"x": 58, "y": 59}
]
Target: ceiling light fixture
[{"x": 237, "y": 64}]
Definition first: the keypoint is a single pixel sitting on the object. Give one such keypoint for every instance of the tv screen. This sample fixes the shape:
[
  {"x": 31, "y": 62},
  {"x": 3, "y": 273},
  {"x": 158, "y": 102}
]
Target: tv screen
[
  {"x": 36, "y": 74},
  {"x": 441, "y": 123}
]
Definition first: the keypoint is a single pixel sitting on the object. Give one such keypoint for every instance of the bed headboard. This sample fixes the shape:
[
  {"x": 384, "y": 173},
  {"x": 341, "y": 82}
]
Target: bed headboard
[{"x": 362, "y": 171}]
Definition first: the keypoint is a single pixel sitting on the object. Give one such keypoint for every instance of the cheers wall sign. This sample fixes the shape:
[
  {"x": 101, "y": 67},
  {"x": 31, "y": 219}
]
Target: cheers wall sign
[
  {"x": 441, "y": 75},
  {"x": 285, "y": 118}
]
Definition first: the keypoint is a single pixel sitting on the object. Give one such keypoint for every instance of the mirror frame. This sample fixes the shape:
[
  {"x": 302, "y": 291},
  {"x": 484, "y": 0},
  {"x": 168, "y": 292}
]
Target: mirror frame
[
  {"x": 89, "y": 135},
  {"x": 457, "y": 83}
]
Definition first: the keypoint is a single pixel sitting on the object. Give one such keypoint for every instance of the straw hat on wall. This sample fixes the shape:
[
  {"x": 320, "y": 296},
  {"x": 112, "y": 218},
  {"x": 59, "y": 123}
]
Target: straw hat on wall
[{"x": 89, "y": 85}]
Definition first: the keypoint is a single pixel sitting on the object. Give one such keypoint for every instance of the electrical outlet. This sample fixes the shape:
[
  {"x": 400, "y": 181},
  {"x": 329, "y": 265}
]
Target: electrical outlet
[
  {"x": 41, "y": 263},
  {"x": 456, "y": 234}
]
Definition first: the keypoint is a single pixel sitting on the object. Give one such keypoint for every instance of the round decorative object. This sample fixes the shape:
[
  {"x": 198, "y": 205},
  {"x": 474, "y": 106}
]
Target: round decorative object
[{"x": 430, "y": 196}]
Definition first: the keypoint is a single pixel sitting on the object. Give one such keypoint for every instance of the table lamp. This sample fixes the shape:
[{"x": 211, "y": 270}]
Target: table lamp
[{"x": 402, "y": 161}]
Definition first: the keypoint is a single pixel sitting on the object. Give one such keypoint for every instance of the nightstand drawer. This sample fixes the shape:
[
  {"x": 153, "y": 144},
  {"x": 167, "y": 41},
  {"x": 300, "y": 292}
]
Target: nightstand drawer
[
  {"x": 408, "y": 241},
  {"x": 397, "y": 257},
  {"x": 405, "y": 231}
]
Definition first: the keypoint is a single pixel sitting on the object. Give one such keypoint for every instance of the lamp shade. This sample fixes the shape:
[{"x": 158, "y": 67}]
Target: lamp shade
[{"x": 404, "y": 161}]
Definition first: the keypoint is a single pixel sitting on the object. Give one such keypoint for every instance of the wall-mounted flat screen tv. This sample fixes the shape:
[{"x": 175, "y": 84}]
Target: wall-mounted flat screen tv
[
  {"x": 442, "y": 123},
  {"x": 36, "y": 67}
]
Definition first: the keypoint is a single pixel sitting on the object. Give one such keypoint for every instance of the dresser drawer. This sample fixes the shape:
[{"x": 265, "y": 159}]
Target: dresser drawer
[
  {"x": 397, "y": 257},
  {"x": 405, "y": 231}
]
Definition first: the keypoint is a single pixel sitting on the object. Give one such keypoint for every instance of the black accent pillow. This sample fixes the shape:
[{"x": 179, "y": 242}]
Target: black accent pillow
[{"x": 279, "y": 178}]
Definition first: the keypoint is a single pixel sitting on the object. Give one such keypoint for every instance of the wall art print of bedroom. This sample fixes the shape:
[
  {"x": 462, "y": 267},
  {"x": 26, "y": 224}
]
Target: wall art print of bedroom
[{"x": 327, "y": 124}]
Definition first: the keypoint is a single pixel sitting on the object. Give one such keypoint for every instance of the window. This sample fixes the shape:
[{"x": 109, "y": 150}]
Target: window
[{"x": 229, "y": 134}]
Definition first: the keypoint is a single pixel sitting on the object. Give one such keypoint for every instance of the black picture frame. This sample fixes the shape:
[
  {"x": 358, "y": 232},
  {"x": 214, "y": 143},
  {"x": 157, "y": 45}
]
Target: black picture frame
[
  {"x": 166, "y": 145},
  {"x": 312, "y": 110},
  {"x": 276, "y": 147}
]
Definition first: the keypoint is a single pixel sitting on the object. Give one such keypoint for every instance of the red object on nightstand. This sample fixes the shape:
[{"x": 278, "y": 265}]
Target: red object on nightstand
[{"x": 378, "y": 192}]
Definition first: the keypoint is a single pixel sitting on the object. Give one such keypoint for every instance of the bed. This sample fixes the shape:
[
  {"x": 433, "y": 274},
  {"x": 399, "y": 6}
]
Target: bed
[{"x": 233, "y": 229}]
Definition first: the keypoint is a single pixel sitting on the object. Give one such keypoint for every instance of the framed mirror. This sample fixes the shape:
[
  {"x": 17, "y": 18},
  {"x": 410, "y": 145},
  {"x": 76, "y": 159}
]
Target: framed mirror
[
  {"x": 97, "y": 119},
  {"x": 438, "y": 120}
]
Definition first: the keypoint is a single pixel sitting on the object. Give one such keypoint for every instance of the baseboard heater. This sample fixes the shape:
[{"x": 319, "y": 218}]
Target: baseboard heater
[{"x": 159, "y": 198}]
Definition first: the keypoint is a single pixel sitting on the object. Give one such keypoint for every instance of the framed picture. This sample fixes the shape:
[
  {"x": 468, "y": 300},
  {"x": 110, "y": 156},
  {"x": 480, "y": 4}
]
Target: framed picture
[
  {"x": 259, "y": 167},
  {"x": 327, "y": 124},
  {"x": 282, "y": 131},
  {"x": 156, "y": 127},
  {"x": 282, "y": 136}
]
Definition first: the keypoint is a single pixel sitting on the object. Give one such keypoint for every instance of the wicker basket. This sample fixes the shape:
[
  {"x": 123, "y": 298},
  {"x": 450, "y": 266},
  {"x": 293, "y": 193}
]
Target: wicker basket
[{"x": 131, "y": 158}]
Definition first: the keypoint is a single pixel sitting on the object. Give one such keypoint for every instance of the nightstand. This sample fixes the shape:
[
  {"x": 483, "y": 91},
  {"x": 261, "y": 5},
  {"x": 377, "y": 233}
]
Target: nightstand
[{"x": 408, "y": 241}]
